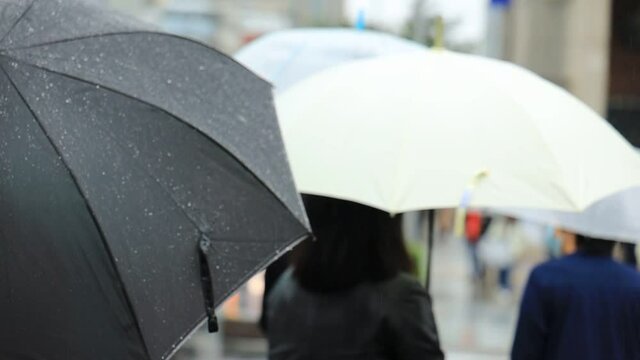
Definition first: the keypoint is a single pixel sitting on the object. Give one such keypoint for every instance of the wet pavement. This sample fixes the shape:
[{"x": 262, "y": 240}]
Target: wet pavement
[
  {"x": 472, "y": 324},
  {"x": 475, "y": 319}
]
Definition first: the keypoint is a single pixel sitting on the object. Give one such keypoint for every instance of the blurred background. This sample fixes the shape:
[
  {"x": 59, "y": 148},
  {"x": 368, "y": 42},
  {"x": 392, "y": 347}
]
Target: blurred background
[{"x": 591, "y": 48}]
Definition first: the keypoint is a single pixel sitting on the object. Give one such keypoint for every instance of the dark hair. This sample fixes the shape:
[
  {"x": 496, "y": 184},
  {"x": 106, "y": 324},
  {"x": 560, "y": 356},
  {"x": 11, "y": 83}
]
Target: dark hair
[
  {"x": 594, "y": 246},
  {"x": 354, "y": 244}
]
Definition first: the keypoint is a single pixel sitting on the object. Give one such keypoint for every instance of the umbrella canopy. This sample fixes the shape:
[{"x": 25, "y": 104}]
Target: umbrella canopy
[
  {"x": 614, "y": 217},
  {"x": 418, "y": 130},
  {"x": 288, "y": 56},
  {"x": 142, "y": 179}
]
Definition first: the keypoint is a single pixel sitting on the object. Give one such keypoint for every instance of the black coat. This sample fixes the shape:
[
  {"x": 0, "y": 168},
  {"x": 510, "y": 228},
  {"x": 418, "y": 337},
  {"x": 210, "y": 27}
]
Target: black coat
[{"x": 373, "y": 321}]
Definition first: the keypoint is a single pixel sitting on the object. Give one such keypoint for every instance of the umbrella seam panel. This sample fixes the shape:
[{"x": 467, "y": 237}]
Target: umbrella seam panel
[
  {"x": 88, "y": 207},
  {"x": 177, "y": 118}
]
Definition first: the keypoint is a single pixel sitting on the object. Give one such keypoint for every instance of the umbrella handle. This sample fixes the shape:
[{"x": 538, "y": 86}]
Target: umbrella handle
[
  {"x": 207, "y": 284},
  {"x": 465, "y": 202}
]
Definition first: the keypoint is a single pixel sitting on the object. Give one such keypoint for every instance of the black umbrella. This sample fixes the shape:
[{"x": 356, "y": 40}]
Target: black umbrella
[{"x": 142, "y": 179}]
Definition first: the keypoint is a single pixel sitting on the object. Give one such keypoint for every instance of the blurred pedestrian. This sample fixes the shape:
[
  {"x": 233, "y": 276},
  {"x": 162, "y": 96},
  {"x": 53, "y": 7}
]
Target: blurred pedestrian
[
  {"x": 552, "y": 242},
  {"x": 348, "y": 294},
  {"x": 582, "y": 306},
  {"x": 629, "y": 254},
  {"x": 475, "y": 227},
  {"x": 501, "y": 247}
]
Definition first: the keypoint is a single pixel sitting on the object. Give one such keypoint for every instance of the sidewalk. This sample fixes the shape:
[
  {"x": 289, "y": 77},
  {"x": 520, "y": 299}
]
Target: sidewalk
[{"x": 473, "y": 323}]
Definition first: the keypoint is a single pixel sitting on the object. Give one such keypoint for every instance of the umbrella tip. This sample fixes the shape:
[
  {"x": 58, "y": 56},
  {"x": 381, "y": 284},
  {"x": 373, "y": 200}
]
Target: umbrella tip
[{"x": 212, "y": 324}]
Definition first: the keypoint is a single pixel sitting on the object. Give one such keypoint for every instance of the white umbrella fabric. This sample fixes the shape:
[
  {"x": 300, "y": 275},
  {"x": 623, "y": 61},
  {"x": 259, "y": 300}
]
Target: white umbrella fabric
[
  {"x": 616, "y": 217},
  {"x": 288, "y": 56},
  {"x": 413, "y": 131}
]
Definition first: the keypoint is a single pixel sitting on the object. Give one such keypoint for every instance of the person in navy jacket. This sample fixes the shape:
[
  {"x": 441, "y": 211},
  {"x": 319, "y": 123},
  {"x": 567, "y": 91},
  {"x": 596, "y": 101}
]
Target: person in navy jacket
[{"x": 583, "y": 306}]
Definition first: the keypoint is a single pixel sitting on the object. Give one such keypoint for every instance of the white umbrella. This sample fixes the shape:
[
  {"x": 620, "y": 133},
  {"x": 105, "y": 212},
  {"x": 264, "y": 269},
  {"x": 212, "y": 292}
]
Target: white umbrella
[
  {"x": 616, "y": 217},
  {"x": 412, "y": 131},
  {"x": 288, "y": 56}
]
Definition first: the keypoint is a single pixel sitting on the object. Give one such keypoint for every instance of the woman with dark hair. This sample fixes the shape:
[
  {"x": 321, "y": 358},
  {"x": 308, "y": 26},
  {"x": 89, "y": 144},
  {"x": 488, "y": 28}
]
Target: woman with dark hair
[{"x": 348, "y": 294}]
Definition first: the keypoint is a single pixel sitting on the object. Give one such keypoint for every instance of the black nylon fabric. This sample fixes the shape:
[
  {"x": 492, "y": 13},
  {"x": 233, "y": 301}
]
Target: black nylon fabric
[
  {"x": 218, "y": 96},
  {"x": 60, "y": 298},
  {"x": 145, "y": 143},
  {"x": 121, "y": 149},
  {"x": 31, "y": 22}
]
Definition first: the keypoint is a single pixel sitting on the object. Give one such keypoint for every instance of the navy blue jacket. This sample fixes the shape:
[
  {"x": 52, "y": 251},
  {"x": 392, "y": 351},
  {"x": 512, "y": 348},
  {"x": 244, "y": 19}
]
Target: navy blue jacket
[{"x": 580, "y": 307}]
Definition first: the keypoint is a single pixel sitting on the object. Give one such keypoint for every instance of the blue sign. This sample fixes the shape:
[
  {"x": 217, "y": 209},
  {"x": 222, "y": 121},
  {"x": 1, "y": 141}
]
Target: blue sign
[{"x": 503, "y": 3}]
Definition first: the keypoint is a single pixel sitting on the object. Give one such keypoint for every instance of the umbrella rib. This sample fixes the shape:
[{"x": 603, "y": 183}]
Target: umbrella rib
[
  {"x": 151, "y": 176},
  {"x": 80, "y": 38},
  {"x": 177, "y": 118},
  {"x": 261, "y": 265},
  {"x": 538, "y": 131},
  {"x": 13, "y": 26},
  {"x": 238, "y": 240},
  {"x": 87, "y": 205},
  {"x": 134, "y": 32}
]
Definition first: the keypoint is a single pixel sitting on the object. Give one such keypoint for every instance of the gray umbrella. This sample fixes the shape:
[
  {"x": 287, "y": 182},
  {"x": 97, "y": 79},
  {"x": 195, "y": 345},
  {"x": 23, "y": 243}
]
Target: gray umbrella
[{"x": 142, "y": 179}]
